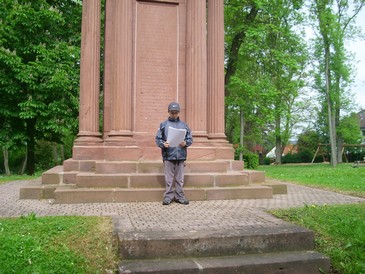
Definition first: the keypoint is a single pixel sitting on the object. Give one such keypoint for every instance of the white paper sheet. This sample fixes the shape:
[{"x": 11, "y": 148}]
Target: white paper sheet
[{"x": 175, "y": 136}]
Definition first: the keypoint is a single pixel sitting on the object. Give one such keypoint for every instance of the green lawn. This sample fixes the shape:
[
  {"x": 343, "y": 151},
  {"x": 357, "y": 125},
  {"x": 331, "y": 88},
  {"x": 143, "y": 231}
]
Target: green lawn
[
  {"x": 343, "y": 178},
  {"x": 339, "y": 233},
  {"x": 339, "y": 229},
  {"x": 57, "y": 245},
  {"x": 4, "y": 178}
]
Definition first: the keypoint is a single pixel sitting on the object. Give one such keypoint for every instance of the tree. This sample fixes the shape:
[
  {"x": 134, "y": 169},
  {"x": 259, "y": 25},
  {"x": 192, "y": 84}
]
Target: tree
[
  {"x": 265, "y": 58},
  {"x": 286, "y": 61},
  {"x": 239, "y": 16},
  {"x": 309, "y": 139},
  {"x": 334, "y": 26},
  {"x": 39, "y": 56},
  {"x": 349, "y": 129}
]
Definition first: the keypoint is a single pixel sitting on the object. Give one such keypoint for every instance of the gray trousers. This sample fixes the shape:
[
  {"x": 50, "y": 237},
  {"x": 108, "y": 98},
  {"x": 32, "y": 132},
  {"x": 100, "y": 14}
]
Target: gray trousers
[{"x": 174, "y": 176}]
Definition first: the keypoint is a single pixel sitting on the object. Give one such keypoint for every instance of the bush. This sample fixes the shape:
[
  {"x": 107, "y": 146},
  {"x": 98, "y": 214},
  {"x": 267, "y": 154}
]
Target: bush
[
  {"x": 355, "y": 155},
  {"x": 268, "y": 161},
  {"x": 290, "y": 158},
  {"x": 251, "y": 161},
  {"x": 305, "y": 155}
]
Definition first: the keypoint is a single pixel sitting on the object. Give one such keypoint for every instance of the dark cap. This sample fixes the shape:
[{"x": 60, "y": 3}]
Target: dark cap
[{"x": 174, "y": 106}]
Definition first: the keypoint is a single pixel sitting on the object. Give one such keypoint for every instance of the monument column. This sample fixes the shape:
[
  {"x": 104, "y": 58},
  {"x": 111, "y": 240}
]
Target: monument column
[
  {"x": 121, "y": 64},
  {"x": 196, "y": 67},
  {"x": 90, "y": 74},
  {"x": 215, "y": 70}
]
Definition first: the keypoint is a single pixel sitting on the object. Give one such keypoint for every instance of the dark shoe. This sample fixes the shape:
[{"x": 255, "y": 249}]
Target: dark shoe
[
  {"x": 182, "y": 201},
  {"x": 166, "y": 202}
]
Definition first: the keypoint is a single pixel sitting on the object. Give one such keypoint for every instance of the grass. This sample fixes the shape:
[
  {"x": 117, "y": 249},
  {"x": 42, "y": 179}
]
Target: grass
[
  {"x": 343, "y": 178},
  {"x": 339, "y": 229},
  {"x": 8, "y": 178},
  {"x": 57, "y": 245},
  {"x": 339, "y": 233}
]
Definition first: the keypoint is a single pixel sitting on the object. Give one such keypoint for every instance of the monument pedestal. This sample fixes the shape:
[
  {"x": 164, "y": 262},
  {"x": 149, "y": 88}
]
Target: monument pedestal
[
  {"x": 155, "y": 52},
  {"x": 101, "y": 181},
  {"x": 113, "y": 174}
]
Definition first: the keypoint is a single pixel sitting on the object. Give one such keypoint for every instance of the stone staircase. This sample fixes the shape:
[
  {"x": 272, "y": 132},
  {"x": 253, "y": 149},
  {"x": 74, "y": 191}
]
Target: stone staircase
[
  {"x": 284, "y": 249},
  {"x": 82, "y": 181}
]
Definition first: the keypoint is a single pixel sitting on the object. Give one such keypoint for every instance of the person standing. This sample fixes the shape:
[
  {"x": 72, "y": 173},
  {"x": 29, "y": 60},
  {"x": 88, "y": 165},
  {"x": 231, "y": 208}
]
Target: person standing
[{"x": 173, "y": 157}]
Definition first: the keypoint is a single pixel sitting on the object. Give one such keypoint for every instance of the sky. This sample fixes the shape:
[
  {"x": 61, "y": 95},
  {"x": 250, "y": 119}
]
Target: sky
[{"x": 358, "y": 48}]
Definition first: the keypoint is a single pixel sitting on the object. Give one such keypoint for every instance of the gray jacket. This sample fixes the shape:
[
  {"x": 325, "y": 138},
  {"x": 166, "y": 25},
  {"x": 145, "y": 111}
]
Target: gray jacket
[{"x": 173, "y": 153}]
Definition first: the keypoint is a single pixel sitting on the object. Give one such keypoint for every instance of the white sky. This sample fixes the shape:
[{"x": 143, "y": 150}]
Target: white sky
[{"x": 358, "y": 48}]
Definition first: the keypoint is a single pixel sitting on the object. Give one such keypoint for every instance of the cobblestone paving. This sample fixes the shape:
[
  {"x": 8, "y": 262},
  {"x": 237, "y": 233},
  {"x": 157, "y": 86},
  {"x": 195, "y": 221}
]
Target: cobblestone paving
[{"x": 198, "y": 215}]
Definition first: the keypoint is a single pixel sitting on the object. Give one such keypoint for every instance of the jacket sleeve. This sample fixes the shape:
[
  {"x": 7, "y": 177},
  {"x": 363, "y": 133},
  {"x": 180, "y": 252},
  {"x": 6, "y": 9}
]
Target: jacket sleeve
[
  {"x": 188, "y": 137},
  {"x": 160, "y": 136}
]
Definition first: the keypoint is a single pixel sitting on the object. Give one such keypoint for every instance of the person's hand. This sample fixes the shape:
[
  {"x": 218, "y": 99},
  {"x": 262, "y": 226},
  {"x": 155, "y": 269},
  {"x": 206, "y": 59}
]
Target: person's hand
[
  {"x": 182, "y": 144},
  {"x": 166, "y": 144}
]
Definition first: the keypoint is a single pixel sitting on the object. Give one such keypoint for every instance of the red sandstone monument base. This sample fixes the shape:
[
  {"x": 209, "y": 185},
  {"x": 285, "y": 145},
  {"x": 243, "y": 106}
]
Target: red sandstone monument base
[{"x": 155, "y": 52}]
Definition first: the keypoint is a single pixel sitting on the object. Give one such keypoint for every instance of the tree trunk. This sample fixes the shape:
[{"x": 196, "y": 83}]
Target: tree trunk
[
  {"x": 278, "y": 142},
  {"x": 55, "y": 154},
  {"x": 6, "y": 161},
  {"x": 242, "y": 122},
  {"x": 62, "y": 153},
  {"x": 331, "y": 114},
  {"x": 31, "y": 146},
  {"x": 339, "y": 149},
  {"x": 25, "y": 161}
]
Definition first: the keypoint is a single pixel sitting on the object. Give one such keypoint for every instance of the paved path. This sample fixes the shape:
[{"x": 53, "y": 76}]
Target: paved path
[{"x": 198, "y": 215}]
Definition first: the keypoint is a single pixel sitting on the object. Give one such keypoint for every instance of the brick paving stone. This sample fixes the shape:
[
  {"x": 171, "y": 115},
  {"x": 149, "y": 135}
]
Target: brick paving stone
[{"x": 198, "y": 215}]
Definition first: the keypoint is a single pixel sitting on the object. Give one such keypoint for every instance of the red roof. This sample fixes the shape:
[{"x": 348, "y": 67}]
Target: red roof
[{"x": 290, "y": 149}]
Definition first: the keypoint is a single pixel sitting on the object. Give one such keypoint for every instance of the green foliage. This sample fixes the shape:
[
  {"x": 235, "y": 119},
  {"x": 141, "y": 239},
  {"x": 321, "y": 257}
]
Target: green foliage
[
  {"x": 309, "y": 140},
  {"x": 340, "y": 232},
  {"x": 349, "y": 129},
  {"x": 304, "y": 155},
  {"x": 47, "y": 154},
  {"x": 355, "y": 154},
  {"x": 16, "y": 158},
  {"x": 265, "y": 60},
  {"x": 267, "y": 74},
  {"x": 39, "y": 65},
  {"x": 56, "y": 245},
  {"x": 251, "y": 160},
  {"x": 290, "y": 158},
  {"x": 333, "y": 69},
  {"x": 45, "y": 157},
  {"x": 267, "y": 161}
]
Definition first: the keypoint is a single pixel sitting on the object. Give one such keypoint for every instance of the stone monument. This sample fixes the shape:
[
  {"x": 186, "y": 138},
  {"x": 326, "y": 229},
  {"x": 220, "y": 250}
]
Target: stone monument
[{"x": 155, "y": 52}]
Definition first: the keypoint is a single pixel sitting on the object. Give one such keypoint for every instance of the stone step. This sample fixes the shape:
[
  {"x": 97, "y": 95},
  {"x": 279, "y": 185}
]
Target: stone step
[
  {"x": 298, "y": 262},
  {"x": 155, "y": 180},
  {"x": 278, "y": 187},
  {"x": 157, "y": 167},
  {"x": 285, "y": 248},
  {"x": 175, "y": 244},
  {"x": 37, "y": 191},
  {"x": 74, "y": 194},
  {"x": 60, "y": 174},
  {"x": 115, "y": 167},
  {"x": 53, "y": 176}
]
